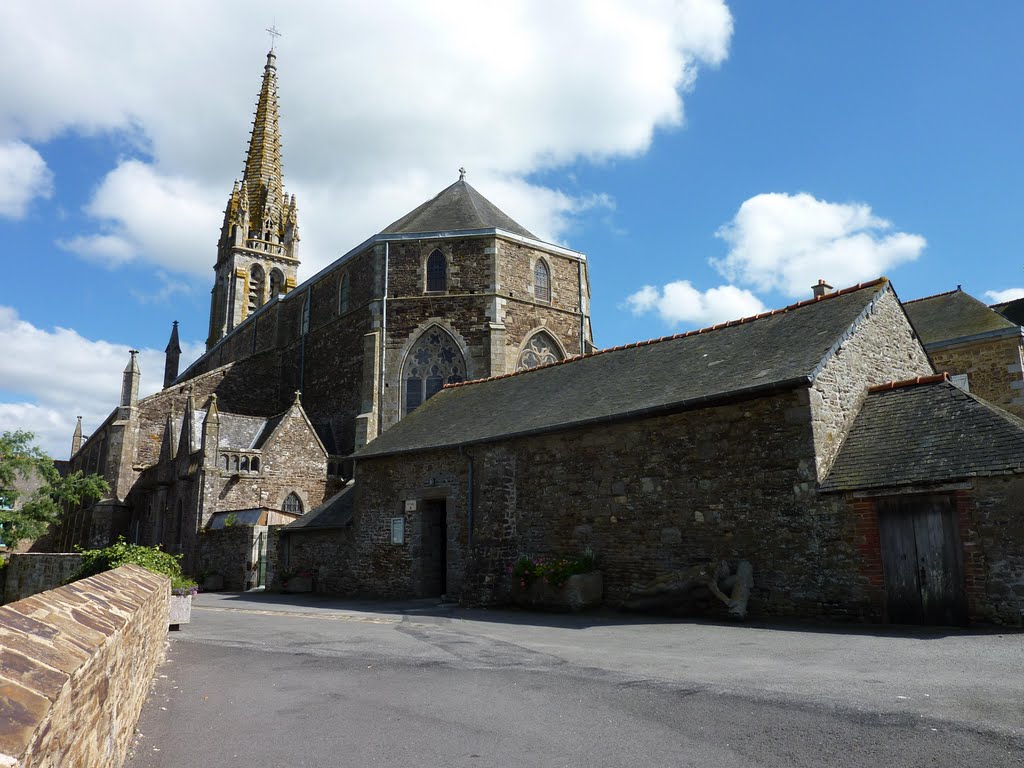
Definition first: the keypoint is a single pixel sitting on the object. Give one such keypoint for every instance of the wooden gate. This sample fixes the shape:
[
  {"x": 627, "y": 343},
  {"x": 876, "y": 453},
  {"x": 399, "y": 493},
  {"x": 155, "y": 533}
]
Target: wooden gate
[{"x": 922, "y": 560}]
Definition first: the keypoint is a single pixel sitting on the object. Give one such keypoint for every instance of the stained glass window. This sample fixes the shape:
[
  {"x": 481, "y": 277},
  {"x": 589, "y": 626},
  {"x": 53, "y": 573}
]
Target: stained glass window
[
  {"x": 541, "y": 281},
  {"x": 292, "y": 504},
  {"x": 437, "y": 272},
  {"x": 434, "y": 360},
  {"x": 540, "y": 350}
]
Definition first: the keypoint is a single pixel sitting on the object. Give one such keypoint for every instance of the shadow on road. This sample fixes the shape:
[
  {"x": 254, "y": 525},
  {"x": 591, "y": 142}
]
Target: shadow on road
[{"x": 432, "y": 607}]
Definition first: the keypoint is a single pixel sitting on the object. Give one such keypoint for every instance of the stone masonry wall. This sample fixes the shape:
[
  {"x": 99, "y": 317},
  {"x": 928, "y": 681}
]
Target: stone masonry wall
[
  {"x": 229, "y": 552},
  {"x": 994, "y": 370},
  {"x": 31, "y": 573},
  {"x": 75, "y": 667},
  {"x": 327, "y": 553},
  {"x": 647, "y": 496},
  {"x": 992, "y": 516},
  {"x": 884, "y": 348}
]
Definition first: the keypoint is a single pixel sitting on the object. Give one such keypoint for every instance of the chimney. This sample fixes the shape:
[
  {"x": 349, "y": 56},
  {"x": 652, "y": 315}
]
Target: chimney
[{"x": 820, "y": 289}]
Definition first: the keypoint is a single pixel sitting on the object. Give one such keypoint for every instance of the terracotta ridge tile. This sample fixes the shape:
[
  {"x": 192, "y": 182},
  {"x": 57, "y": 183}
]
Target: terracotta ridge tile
[
  {"x": 658, "y": 340},
  {"x": 934, "y": 379}
]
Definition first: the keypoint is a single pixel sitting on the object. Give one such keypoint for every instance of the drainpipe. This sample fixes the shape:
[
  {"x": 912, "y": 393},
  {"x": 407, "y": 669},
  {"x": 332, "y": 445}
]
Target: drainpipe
[
  {"x": 469, "y": 503},
  {"x": 583, "y": 322},
  {"x": 383, "y": 339}
]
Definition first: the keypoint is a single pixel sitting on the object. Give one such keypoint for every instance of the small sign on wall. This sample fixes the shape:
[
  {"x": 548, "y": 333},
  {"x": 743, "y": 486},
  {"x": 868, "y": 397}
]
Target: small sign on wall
[
  {"x": 410, "y": 505},
  {"x": 398, "y": 529}
]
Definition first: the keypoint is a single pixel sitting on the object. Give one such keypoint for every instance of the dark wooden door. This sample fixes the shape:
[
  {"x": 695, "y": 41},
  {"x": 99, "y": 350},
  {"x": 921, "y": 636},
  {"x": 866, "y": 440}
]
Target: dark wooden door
[
  {"x": 434, "y": 567},
  {"x": 921, "y": 560}
]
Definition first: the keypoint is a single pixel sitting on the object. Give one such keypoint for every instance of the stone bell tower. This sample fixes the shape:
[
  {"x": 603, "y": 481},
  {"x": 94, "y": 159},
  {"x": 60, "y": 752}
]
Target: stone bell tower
[{"x": 257, "y": 254}]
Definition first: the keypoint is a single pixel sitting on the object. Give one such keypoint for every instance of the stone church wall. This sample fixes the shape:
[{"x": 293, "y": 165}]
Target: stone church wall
[
  {"x": 647, "y": 496},
  {"x": 327, "y": 553},
  {"x": 883, "y": 349},
  {"x": 994, "y": 370}
]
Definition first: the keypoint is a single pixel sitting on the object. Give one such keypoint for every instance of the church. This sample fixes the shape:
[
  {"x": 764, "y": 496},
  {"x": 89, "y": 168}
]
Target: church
[{"x": 429, "y": 407}]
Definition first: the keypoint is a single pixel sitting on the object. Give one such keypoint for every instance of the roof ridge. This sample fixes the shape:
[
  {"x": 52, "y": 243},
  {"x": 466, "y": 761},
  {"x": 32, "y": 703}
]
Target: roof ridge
[
  {"x": 471, "y": 193},
  {"x": 933, "y": 379},
  {"x": 645, "y": 342},
  {"x": 958, "y": 289}
]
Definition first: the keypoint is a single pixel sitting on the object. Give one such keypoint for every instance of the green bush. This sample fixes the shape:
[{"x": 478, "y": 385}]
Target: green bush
[
  {"x": 151, "y": 558},
  {"x": 555, "y": 571}
]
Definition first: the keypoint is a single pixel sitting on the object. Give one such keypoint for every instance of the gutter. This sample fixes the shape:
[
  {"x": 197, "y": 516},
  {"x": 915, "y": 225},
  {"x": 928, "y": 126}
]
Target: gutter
[{"x": 997, "y": 333}]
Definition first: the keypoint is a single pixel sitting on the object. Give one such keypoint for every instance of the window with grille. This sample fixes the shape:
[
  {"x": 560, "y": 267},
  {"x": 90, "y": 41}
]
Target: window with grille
[
  {"x": 437, "y": 272},
  {"x": 541, "y": 281},
  {"x": 292, "y": 504},
  {"x": 434, "y": 360}
]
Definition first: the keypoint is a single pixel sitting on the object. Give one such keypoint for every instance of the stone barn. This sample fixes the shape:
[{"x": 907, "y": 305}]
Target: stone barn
[{"x": 725, "y": 443}]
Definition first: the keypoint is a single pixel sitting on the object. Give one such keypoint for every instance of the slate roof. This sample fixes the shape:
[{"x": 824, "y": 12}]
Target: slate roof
[
  {"x": 926, "y": 433},
  {"x": 780, "y": 349},
  {"x": 953, "y": 315},
  {"x": 456, "y": 208},
  {"x": 236, "y": 431},
  {"x": 1011, "y": 310},
  {"x": 336, "y": 512}
]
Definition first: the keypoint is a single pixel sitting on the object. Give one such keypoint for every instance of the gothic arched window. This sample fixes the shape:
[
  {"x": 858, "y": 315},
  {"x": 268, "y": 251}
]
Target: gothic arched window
[
  {"x": 541, "y": 281},
  {"x": 343, "y": 294},
  {"x": 256, "y": 277},
  {"x": 276, "y": 282},
  {"x": 437, "y": 272},
  {"x": 541, "y": 349},
  {"x": 434, "y": 360},
  {"x": 292, "y": 504}
]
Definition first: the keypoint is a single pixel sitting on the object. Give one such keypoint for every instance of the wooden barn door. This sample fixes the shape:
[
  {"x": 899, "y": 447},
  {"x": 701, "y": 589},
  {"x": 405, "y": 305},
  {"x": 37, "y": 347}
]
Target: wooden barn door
[{"x": 921, "y": 560}]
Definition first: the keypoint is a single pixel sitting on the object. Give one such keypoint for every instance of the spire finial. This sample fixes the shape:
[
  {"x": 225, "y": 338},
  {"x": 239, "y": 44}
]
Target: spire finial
[
  {"x": 298, "y": 396},
  {"x": 274, "y": 34},
  {"x": 462, "y": 174}
]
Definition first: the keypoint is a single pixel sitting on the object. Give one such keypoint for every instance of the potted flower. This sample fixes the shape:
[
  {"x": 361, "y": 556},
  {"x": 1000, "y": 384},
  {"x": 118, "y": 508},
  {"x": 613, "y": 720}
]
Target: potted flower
[
  {"x": 182, "y": 592},
  {"x": 557, "y": 584},
  {"x": 297, "y": 581}
]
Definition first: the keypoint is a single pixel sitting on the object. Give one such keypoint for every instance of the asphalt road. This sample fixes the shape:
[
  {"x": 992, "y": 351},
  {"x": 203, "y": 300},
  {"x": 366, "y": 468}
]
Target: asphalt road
[{"x": 267, "y": 681}]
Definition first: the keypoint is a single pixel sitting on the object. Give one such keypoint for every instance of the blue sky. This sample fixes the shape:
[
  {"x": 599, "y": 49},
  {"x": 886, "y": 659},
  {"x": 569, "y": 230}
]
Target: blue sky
[{"x": 711, "y": 159}]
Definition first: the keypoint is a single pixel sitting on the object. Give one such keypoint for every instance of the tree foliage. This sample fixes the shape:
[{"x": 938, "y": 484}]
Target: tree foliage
[
  {"x": 21, "y": 460},
  {"x": 122, "y": 552}
]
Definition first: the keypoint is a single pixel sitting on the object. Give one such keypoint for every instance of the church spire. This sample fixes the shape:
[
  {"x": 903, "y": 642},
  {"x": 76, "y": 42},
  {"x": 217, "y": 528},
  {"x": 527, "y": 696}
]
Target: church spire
[
  {"x": 258, "y": 251},
  {"x": 261, "y": 179}
]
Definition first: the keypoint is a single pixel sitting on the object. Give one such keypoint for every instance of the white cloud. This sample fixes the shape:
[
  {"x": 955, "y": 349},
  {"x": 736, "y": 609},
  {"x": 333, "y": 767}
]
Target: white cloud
[
  {"x": 679, "y": 303},
  {"x": 24, "y": 176},
  {"x": 50, "y": 376},
  {"x": 166, "y": 220},
  {"x": 787, "y": 242},
  {"x": 1008, "y": 294},
  {"x": 380, "y": 104}
]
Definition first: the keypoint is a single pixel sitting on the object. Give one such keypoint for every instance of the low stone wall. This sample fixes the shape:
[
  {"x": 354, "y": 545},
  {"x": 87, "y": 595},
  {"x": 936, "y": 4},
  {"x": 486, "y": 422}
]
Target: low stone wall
[
  {"x": 75, "y": 667},
  {"x": 30, "y": 573}
]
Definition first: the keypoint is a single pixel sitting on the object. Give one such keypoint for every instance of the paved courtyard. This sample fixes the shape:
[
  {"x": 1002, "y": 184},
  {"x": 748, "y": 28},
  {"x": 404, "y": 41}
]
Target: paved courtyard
[{"x": 262, "y": 680}]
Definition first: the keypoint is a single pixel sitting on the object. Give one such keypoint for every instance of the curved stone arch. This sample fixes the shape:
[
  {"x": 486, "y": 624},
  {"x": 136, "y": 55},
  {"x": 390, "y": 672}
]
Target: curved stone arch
[
  {"x": 434, "y": 365},
  {"x": 540, "y": 347}
]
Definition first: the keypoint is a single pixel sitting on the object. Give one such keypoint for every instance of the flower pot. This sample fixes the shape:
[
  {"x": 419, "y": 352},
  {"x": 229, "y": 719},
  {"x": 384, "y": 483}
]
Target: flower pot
[
  {"x": 298, "y": 584},
  {"x": 181, "y": 611},
  {"x": 577, "y": 593}
]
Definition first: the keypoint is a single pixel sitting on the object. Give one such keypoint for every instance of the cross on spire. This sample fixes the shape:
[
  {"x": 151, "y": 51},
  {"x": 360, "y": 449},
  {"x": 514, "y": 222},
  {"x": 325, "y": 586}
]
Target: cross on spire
[{"x": 274, "y": 34}]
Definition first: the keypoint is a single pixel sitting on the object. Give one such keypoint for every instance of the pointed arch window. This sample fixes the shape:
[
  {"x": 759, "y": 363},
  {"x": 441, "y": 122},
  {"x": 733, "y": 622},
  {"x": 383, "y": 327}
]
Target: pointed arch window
[
  {"x": 292, "y": 503},
  {"x": 276, "y": 283},
  {"x": 542, "y": 281},
  {"x": 343, "y": 291},
  {"x": 541, "y": 349},
  {"x": 256, "y": 278},
  {"x": 437, "y": 272},
  {"x": 434, "y": 360}
]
